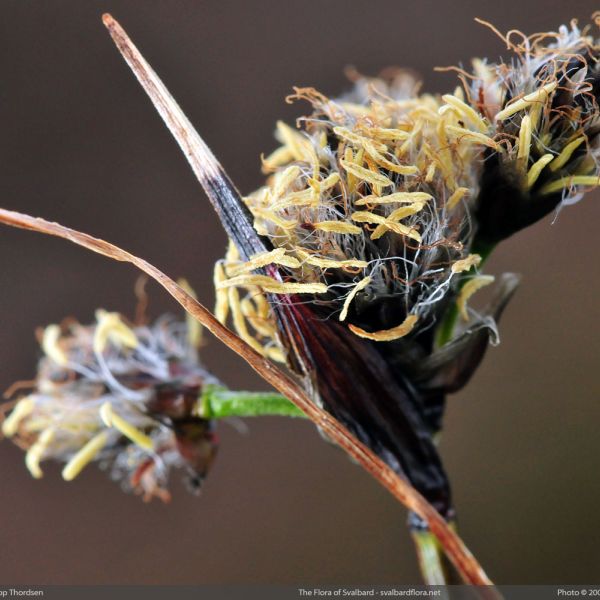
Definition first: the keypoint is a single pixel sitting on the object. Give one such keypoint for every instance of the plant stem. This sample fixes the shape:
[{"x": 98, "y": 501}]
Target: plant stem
[
  {"x": 217, "y": 403},
  {"x": 446, "y": 328},
  {"x": 429, "y": 555}
]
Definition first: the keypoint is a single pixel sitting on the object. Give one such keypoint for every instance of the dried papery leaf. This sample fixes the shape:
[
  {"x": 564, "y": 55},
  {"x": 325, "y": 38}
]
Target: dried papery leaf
[{"x": 399, "y": 487}]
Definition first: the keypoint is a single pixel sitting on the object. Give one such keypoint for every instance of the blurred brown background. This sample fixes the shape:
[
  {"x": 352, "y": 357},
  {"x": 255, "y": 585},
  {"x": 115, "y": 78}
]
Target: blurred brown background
[{"x": 81, "y": 144}]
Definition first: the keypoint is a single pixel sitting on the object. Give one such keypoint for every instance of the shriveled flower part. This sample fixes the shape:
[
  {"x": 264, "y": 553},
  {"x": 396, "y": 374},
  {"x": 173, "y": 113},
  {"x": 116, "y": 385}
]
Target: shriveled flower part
[{"x": 123, "y": 396}]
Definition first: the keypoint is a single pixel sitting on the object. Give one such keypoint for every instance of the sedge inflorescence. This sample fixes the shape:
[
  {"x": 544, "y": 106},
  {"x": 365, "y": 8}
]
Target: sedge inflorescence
[
  {"x": 122, "y": 395},
  {"x": 380, "y": 205}
]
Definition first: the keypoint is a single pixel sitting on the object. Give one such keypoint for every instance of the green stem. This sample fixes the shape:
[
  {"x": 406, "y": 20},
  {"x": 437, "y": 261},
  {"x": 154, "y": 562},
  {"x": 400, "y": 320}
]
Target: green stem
[
  {"x": 429, "y": 555},
  {"x": 217, "y": 403},
  {"x": 446, "y": 328}
]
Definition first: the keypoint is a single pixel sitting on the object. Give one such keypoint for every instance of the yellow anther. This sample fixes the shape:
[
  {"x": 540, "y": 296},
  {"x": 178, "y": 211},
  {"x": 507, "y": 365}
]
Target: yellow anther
[
  {"x": 329, "y": 263},
  {"x": 292, "y": 139},
  {"x": 405, "y": 211},
  {"x": 77, "y": 463},
  {"x": 524, "y": 141},
  {"x": 260, "y": 324},
  {"x": 278, "y": 158},
  {"x": 51, "y": 346},
  {"x": 194, "y": 328},
  {"x": 366, "y": 174},
  {"x": 382, "y": 133},
  {"x": 536, "y": 168},
  {"x": 112, "y": 419},
  {"x": 274, "y": 257},
  {"x": 472, "y": 135},
  {"x": 269, "y": 215},
  {"x": 430, "y": 172},
  {"x": 268, "y": 284},
  {"x": 385, "y": 224},
  {"x": 468, "y": 290},
  {"x": 387, "y": 335},
  {"x": 567, "y": 182},
  {"x": 111, "y": 328},
  {"x": 275, "y": 354},
  {"x": 361, "y": 285},
  {"x": 22, "y": 409},
  {"x": 357, "y": 139},
  {"x": 284, "y": 179},
  {"x": 35, "y": 453},
  {"x": 464, "y": 264},
  {"x": 566, "y": 154},
  {"x": 364, "y": 216},
  {"x": 239, "y": 322},
  {"x": 337, "y": 227},
  {"x": 466, "y": 111},
  {"x": 539, "y": 96},
  {"x": 405, "y": 197},
  {"x": 456, "y": 197},
  {"x": 221, "y": 302},
  {"x": 384, "y": 162},
  {"x": 305, "y": 197},
  {"x": 324, "y": 184}
]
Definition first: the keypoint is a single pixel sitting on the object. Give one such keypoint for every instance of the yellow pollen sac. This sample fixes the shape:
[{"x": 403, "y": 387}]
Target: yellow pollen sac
[
  {"x": 566, "y": 154},
  {"x": 456, "y": 197},
  {"x": 361, "y": 285},
  {"x": 274, "y": 257},
  {"x": 404, "y": 197},
  {"x": 384, "y": 162},
  {"x": 464, "y": 264},
  {"x": 539, "y": 96},
  {"x": 364, "y": 216},
  {"x": 466, "y": 111},
  {"x": 268, "y": 284},
  {"x": 35, "y": 453},
  {"x": 357, "y": 139},
  {"x": 22, "y": 409},
  {"x": 337, "y": 227},
  {"x": 260, "y": 324},
  {"x": 194, "y": 328},
  {"x": 51, "y": 346},
  {"x": 382, "y": 133},
  {"x": 405, "y": 211},
  {"x": 536, "y": 168},
  {"x": 112, "y": 419},
  {"x": 111, "y": 328},
  {"x": 474, "y": 135},
  {"x": 468, "y": 290},
  {"x": 324, "y": 184},
  {"x": 292, "y": 139},
  {"x": 239, "y": 322},
  {"x": 78, "y": 462},
  {"x": 282, "y": 156},
  {"x": 269, "y": 215},
  {"x": 567, "y": 182},
  {"x": 430, "y": 172},
  {"x": 329, "y": 263},
  {"x": 386, "y": 224},
  {"x": 366, "y": 174},
  {"x": 221, "y": 302},
  {"x": 284, "y": 179},
  {"x": 387, "y": 335},
  {"x": 305, "y": 197},
  {"x": 524, "y": 140}
]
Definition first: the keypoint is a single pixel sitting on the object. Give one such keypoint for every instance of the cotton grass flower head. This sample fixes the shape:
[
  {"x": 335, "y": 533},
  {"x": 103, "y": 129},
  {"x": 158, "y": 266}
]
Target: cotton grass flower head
[{"x": 120, "y": 395}]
